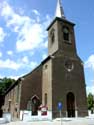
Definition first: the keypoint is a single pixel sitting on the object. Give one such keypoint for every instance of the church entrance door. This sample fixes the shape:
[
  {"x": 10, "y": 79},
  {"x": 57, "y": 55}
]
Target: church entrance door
[{"x": 70, "y": 104}]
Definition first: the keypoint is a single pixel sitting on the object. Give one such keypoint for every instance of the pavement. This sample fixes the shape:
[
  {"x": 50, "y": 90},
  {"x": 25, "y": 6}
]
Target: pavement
[{"x": 58, "y": 121}]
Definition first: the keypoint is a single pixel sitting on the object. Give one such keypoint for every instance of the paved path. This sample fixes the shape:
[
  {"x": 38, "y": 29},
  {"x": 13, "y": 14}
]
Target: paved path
[
  {"x": 64, "y": 121},
  {"x": 79, "y": 121}
]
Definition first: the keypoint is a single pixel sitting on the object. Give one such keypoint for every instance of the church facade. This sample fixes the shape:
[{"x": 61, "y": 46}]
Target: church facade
[{"x": 59, "y": 78}]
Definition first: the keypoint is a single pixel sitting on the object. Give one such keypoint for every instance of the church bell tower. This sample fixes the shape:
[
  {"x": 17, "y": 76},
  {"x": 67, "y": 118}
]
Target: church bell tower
[
  {"x": 61, "y": 33},
  {"x": 66, "y": 82}
]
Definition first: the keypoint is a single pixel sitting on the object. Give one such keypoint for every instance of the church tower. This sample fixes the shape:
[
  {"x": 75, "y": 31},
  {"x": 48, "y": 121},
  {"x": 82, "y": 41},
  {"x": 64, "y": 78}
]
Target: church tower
[{"x": 63, "y": 74}]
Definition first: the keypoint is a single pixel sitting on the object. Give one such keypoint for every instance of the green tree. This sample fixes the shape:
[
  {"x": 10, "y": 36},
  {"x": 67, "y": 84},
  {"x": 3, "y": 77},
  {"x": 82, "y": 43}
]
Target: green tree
[
  {"x": 5, "y": 83},
  {"x": 90, "y": 101}
]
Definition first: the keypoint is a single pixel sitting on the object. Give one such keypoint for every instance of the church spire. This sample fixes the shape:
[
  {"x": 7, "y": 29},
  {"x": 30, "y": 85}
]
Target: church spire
[{"x": 59, "y": 10}]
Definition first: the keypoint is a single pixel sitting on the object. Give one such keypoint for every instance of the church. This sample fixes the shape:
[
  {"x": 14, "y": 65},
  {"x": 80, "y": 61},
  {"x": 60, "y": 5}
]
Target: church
[{"x": 59, "y": 78}]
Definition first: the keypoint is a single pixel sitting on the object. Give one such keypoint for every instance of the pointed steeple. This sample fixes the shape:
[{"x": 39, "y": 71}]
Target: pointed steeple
[{"x": 59, "y": 10}]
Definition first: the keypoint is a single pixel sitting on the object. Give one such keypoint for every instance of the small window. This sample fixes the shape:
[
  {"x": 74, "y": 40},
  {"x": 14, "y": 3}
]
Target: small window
[
  {"x": 45, "y": 98},
  {"x": 46, "y": 66},
  {"x": 66, "y": 34},
  {"x": 17, "y": 96},
  {"x": 9, "y": 106}
]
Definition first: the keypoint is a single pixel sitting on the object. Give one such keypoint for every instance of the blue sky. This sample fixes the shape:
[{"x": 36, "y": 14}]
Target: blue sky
[{"x": 23, "y": 36}]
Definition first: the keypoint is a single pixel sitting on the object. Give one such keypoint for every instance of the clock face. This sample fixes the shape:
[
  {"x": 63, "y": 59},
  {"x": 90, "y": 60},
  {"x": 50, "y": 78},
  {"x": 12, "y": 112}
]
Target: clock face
[{"x": 69, "y": 65}]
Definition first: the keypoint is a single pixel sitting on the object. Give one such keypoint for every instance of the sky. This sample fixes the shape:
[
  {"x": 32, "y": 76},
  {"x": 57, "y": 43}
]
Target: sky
[{"x": 23, "y": 35}]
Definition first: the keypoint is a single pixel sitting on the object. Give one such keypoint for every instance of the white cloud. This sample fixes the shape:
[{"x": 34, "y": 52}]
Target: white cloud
[
  {"x": 37, "y": 15},
  {"x": 9, "y": 64},
  {"x": 21, "y": 63},
  {"x": 13, "y": 20},
  {"x": 31, "y": 32},
  {"x": 90, "y": 89},
  {"x": 1, "y": 76},
  {"x": 6, "y": 10},
  {"x": 0, "y": 54},
  {"x": 31, "y": 53},
  {"x": 92, "y": 81},
  {"x": 33, "y": 64},
  {"x": 36, "y": 12},
  {"x": 46, "y": 44},
  {"x": 90, "y": 62},
  {"x": 12, "y": 77},
  {"x": 44, "y": 56},
  {"x": 25, "y": 60},
  {"x": 2, "y": 34},
  {"x": 30, "y": 37},
  {"x": 10, "y": 52},
  {"x": 15, "y": 77}
]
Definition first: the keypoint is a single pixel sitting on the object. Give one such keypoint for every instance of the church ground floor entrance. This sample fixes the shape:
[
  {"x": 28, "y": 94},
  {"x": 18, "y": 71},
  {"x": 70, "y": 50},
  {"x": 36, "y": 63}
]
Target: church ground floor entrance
[
  {"x": 35, "y": 104},
  {"x": 70, "y": 104}
]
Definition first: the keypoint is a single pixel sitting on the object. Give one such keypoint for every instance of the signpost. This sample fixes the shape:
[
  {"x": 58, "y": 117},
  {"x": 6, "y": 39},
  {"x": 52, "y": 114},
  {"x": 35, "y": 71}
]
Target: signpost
[{"x": 60, "y": 106}]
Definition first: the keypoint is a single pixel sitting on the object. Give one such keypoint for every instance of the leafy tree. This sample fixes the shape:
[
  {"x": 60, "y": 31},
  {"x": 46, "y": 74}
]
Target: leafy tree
[
  {"x": 90, "y": 101},
  {"x": 5, "y": 83}
]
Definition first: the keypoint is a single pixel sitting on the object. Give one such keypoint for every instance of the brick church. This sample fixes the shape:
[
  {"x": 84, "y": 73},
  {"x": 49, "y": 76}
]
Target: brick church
[{"x": 59, "y": 78}]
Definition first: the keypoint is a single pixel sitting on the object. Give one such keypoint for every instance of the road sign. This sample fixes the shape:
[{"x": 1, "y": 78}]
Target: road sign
[{"x": 60, "y": 106}]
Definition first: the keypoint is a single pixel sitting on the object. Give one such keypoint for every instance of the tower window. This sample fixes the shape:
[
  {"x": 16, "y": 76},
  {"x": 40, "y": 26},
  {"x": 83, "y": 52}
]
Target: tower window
[
  {"x": 66, "y": 34},
  {"x": 52, "y": 36}
]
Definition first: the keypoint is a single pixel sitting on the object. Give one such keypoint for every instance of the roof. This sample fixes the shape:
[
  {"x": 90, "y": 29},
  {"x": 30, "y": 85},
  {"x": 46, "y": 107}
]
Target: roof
[
  {"x": 20, "y": 78},
  {"x": 59, "y": 19}
]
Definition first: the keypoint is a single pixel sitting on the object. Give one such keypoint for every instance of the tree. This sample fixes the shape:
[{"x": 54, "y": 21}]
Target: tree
[
  {"x": 90, "y": 101},
  {"x": 5, "y": 83}
]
